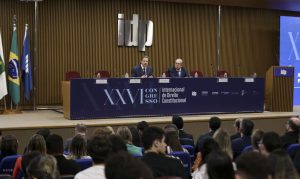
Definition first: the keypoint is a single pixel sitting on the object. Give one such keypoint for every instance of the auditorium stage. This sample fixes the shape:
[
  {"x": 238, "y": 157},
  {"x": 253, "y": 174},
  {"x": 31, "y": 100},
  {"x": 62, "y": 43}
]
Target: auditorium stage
[{"x": 26, "y": 124}]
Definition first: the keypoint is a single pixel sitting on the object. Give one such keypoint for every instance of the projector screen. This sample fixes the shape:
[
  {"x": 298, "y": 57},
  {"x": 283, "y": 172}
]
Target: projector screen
[{"x": 290, "y": 49}]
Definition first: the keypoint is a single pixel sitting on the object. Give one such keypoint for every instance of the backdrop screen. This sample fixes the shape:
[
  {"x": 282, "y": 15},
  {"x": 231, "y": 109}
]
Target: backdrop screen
[{"x": 290, "y": 49}]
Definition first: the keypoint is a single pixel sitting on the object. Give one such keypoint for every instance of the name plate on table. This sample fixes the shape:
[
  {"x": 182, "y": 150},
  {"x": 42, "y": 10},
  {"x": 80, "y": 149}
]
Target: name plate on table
[
  {"x": 222, "y": 80},
  {"x": 164, "y": 80},
  {"x": 249, "y": 80},
  {"x": 101, "y": 81},
  {"x": 135, "y": 81}
]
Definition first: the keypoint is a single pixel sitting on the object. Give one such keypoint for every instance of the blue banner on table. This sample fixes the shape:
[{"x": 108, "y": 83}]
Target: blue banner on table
[
  {"x": 119, "y": 98},
  {"x": 290, "y": 49}
]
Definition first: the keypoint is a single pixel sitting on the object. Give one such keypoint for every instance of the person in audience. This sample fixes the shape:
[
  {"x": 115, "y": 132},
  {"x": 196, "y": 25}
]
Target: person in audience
[
  {"x": 55, "y": 147},
  {"x": 43, "y": 167},
  {"x": 80, "y": 129},
  {"x": 237, "y": 126},
  {"x": 178, "y": 70},
  {"x": 222, "y": 137},
  {"x": 143, "y": 70},
  {"x": 136, "y": 140},
  {"x": 103, "y": 131},
  {"x": 240, "y": 143},
  {"x": 45, "y": 132},
  {"x": 99, "y": 148},
  {"x": 219, "y": 166},
  {"x": 281, "y": 165},
  {"x": 178, "y": 121},
  {"x": 26, "y": 159},
  {"x": 122, "y": 165},
  {"x": 256, "y": 138},
  {"x": 78, "y": 148},
  {"x": 199, "y": 167},
  {"x": 252, "y": 165},
  {"x": 36, "y": 143},
  {"x": 118, "y": 144},
  {"x": 141, "y": 126},
  {"x": 110, "y": 129},
  {"x": 270, "y": 142},
  {"x": 214, "y": 124},
  {"x": 292, "y": 132},
  {"x": 9, "y": 146},
  {"x": 153, "y": 139},
  {"x": 173, "y": 143},
  {"x": 125, "y": 134}
]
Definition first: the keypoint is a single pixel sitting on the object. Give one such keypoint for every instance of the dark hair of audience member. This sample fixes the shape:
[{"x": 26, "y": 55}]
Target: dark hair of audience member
[
  {"x": 9, "y": 145},
  {"x": 237, "y": 123},
  {"x": 117, "y": 143},
  {"x": 142, "y": 125},
  {"x": 26, "y": 159},
  {"x": 122, "y": 165},
  {"x": 136, "y": 140},
  {"x": 178, "y": 121},
  {"x": 209, "y": 145},
  {"x": 247, "y": 127},
  {"x": 99, "y": 148},
  {"x": 171, "y": 128},
  {"x": 281, "y": 165},
  {"x": 292, "y": 125},
  {"x": 78, "y": 147},
  {"x": 150, "y": 134},
  {"x": 172, "y": 140},
  {"x": 37, "y": 143},
  {"x": 214, "y": 123},
  {"x": 252, "y": 165},
  {"x": 45, "y": 132},
  {"x": 81, "y": 128},
  {"x": 256, "y": 138},
  {"x": 43, "y": 167},
  {"x": 219, "y": 166},
  {"x": 55, "y": 145},
  {"x": 271, "y": 141}
]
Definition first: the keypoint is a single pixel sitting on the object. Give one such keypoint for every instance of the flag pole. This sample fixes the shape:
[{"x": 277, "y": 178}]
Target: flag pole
[{"x": 4, "y": 103}]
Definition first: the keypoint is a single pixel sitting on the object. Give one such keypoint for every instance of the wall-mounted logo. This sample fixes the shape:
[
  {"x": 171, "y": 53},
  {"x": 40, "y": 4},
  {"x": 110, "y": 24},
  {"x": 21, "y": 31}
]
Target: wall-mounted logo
[{"x": 135, "y": 32}]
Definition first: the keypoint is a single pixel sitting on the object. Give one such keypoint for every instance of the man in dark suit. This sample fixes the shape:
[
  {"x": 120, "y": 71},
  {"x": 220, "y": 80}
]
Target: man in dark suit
[
  {"x": 178, "y": 70},
  {"x": 142, "y": 70},
  {"x": 240, "y": 143},
  {"x": 292, "y": 132}
]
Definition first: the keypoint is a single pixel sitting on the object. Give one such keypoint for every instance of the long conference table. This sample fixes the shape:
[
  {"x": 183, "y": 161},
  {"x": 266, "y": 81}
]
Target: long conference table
[{"x": 129, "y": 97}]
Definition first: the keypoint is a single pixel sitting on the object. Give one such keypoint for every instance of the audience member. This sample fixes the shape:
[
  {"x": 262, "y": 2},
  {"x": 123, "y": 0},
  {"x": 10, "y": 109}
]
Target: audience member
[
  {"x": 9, "y": 146},
  {"x": 36, "y": 143},
  {"x": 199, "y": 167},
  {"x": 240, "y": 143},
  {"x": 80, "y": 129},
  {"x": 270, "y": 142},
  {"x": 99, "y": 149},
  {"x": 281, "y": 165},
  {"x": 136, "y": 140},
  {"x": 178, "y": 70},
  {"x": 26, "y": 159},
  {"x": 256, "y": 139},
  {"x": 173, "y": 143},
  {"x": 219, "y": 165},
  {"x": 78, "y": 148},
  {"x": 214, "y": 124},
  {"x": 143, "y": 70},
  {"x": 118, "y": 144},
  {"x": 292, "y": 132},
  {"x": 43, "y": 167},
  {"x": 178, "y": 121},
  {"x": 55, "y": 147},
  {"x": 124, "y": 166},
  {"x": 252, "y": 165},
  {"x": 141, "y": 126},
  {"x": 153, "y": 139},
  {"x": 45, "y": 132},
  {"x": 237, "y": 126},
  {"x": 103, "y": 131},
  {"x": 222, "y": 137},
  {"x": 125, "y": 134}
]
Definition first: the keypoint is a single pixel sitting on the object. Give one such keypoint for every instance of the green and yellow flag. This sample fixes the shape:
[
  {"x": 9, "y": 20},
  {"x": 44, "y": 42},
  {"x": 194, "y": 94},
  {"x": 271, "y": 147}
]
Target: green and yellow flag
[{"x": 13, "y": 69}]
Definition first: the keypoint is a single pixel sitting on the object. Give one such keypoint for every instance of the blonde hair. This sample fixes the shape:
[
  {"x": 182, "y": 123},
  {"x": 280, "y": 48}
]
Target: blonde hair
[{"x": 222, "y": 137}]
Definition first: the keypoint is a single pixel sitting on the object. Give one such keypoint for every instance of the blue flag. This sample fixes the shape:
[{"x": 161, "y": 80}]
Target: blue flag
[{"x": 26, "y": 65}]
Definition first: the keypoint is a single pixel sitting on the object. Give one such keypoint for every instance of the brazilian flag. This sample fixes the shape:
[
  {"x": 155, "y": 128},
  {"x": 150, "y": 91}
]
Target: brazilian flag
[{"x": 13, "y": 69}]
